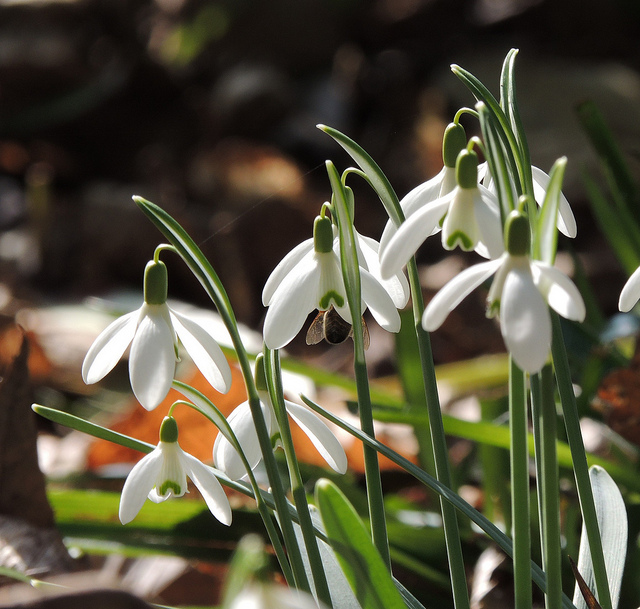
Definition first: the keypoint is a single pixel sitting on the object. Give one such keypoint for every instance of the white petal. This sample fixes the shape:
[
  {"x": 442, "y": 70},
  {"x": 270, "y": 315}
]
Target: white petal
[
  {"x": 225, "y": 456},
  {"x": 139, "y": 482},
  {"x": 152, "y": 361},
  {"x": 410, "y": 236},
  {"x": 525, "y": 321},
  {"x": 379, "y": 302},
  {"x": 454, "y": 292},
  {"x": 294, "y": 299},
  {"x": 284, "y": 267},
  {"x": 204, "y": 351},
  {"x": 461, "y": 220},
  {"x": 566, "y": 220},
  {"x": 396, "y": 286},
  {"x": 630, "y": 293},
  {"x": 320, "y": 435},
  {"x": 107, "y": 349},
  {"x": 208, "y": 485},
  {"x": 561, "y": 293},
  {"x": 487, "y": 215}
]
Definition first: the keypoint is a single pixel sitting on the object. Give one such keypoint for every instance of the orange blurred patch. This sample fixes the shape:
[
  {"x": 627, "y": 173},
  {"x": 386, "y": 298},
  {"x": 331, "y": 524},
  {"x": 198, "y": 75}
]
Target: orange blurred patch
[{"x": 197, "y": 434}]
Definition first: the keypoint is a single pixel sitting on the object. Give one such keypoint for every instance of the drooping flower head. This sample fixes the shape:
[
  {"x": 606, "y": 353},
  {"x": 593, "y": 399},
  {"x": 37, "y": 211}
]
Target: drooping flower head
[
  {"x": 310, "y": 277},
  {"x": 163, "y": 473},
  {"x": 241, "y": 422},
  {"x": 521, "y": 292},
  {"x": 469, "y": 215},
  {"x": 153, "y": 331}
]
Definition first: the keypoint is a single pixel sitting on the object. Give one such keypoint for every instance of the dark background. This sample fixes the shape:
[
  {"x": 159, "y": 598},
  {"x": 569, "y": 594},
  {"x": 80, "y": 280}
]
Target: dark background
[{"x": 209, "y": 109}]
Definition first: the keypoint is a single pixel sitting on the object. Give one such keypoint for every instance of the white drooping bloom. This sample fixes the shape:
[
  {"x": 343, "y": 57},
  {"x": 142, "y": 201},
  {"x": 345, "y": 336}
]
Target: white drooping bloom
[
  {"x": 470, "y": 217},
  {"x": 310, "y": 277},
  {"x": 241, "y": 422},
  {"x": 163, "y": 474},
  {"x": 630, "y": 293},
  {"x": 260, "y": 595},
  {"x": 521, "y": 292},
  {"x": 153, "y": 331}
]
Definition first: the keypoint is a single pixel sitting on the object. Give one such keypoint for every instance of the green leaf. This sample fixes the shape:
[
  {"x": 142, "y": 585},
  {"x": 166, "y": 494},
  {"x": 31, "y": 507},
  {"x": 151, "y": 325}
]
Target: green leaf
[
  {"x": 502, "y": 540},
  {"x": 378, "y": 179},
  {"x": 620, "y": 235},
  {"x": 620, "y": 179},
  {"x": 546, "y": 243},
  {"x": 612, "y": 521},
  {"x": 358, "y": 557},
  {"x": 73, "y": 422}
]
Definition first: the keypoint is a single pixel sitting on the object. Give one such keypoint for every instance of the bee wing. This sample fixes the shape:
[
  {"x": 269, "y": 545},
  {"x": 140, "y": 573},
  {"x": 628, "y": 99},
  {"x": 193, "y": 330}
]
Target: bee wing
[
  {"x": 365, "y": 334},
  {"x": 315, "y": 333}
]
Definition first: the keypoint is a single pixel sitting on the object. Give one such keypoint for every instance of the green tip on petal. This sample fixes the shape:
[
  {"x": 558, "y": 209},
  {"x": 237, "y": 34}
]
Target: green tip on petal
[
  {"x": 325, "y": 301},
  {"x": 467, "y": 169},
  {"x": 168, "y": 485},
  {"x": 169, "y": 431},
  {"x": 155, "y": 283},
  {"x": 322, "y": 235},
  {"x": 461, "y": 239},
  {"x": 517, "y": 234},
  {"x": 454, "y": 140},
  {"x": 260, "y": 374}
]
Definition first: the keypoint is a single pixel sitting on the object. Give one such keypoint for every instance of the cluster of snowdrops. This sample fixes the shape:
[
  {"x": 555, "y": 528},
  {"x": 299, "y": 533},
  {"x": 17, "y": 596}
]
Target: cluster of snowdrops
[{"x": 487, "y": 199}]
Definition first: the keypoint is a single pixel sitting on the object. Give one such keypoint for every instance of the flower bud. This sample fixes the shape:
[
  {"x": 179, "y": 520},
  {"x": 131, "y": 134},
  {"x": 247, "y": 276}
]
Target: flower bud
[
  {"x": 517, "y": 234},
  {"x": 467, "y": 169},
  {"x": 322, "y": 235},
  {"x": 155, "y": 283},
  {"x": 168, "y": 430},
  {"x": 453, "y": 142}
]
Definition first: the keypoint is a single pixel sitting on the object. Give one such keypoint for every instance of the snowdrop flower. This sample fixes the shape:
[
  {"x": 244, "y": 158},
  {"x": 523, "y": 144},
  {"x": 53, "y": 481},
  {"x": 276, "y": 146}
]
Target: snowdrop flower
[
  {"x": 241, "y": 422},
  {"x": 453, "y": 142},
  {"x": 163, "y": 474},
  {"x": 630, "y": 292},
  {"x": 259, "y": 595},
  {"x": 521, "y": 290},
  {"x": 153, "y": 331},
  {"x": 471, "y": 220},
  {"x": 310, "y": 277}
]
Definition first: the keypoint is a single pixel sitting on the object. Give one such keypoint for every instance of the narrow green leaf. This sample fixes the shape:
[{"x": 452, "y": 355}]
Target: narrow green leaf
[
  {"x": 358, "y": 557},
  {"x": 492, "y": 531},
  {"x": 378, "y": 179},
  {"x": 73, "y": 422},
  {"x": 612, "y": 520},
  {"x": 619, "y": 177},
  {"x": 618, "y": 233},
  {"x": 546, "y": 243}
]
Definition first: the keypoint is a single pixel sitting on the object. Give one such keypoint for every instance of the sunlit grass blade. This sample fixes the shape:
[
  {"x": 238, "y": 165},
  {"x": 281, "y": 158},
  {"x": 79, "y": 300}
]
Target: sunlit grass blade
[
  {"x": 360, "y": 561},
  {"x": 612, "y": 519}
]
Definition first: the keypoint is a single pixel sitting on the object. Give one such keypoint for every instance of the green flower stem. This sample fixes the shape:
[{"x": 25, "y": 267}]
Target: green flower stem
[
  {"x": 580, "y": 467},
  {"x": 520, "y": 488},
  {"x": 439, "y": 444},
  {"x": 545, "y": 430},
  {"x": 274, "y": 384},
  {"x": 220, "y": 421},
  {"x": 351, "y": 274},
  {"x": 205, "y": 273}
]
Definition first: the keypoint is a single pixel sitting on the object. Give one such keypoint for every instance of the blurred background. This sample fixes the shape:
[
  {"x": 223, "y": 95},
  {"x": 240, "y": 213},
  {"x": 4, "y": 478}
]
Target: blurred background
[{"x": 209, "y": 108}]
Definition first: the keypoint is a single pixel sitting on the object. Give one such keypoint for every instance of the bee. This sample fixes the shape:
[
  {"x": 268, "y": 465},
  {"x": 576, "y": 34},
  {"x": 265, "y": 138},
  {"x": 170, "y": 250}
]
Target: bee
[{"x": 328, "y": 325}]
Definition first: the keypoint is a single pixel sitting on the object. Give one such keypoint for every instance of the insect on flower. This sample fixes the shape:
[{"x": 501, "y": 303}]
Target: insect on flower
[{"x": 328, "y": 325}]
